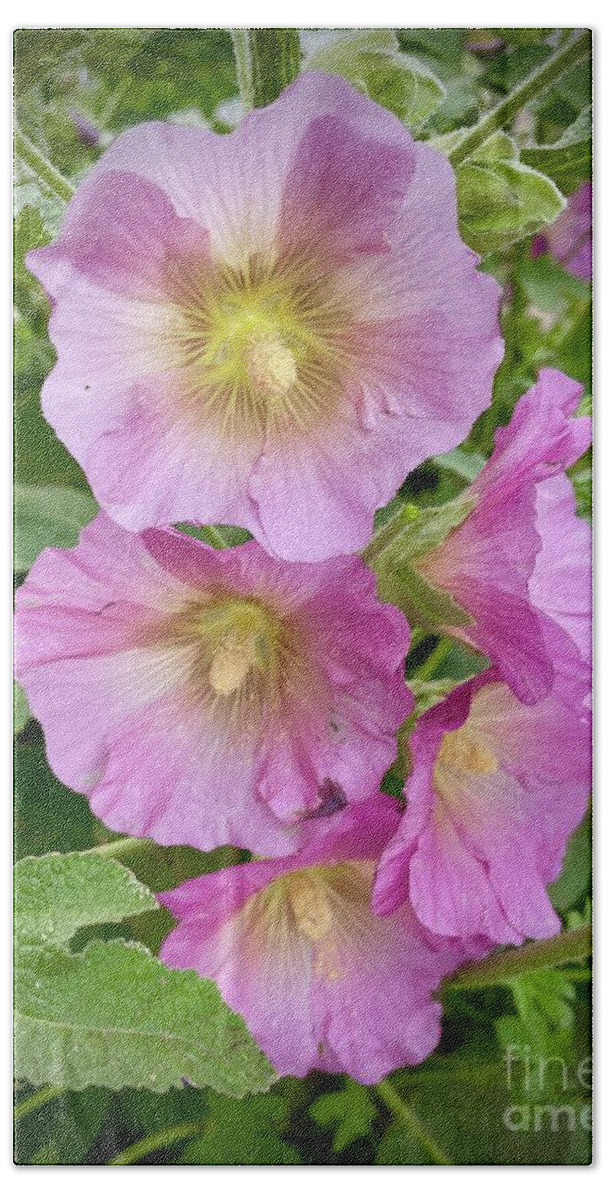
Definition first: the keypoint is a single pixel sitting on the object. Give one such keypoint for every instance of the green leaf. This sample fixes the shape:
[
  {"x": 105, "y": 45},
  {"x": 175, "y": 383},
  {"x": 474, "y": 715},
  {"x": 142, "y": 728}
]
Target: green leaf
[
  {"x": 60, "y": 893},
  {"x": 30, "y": 232},
  {"x": 48, "y": 816},
  {"x": 116, "y": 1017},
  {"x": 21, "y": 709},
  {"x": 545, "y": 1018},
  {"x": 426, "y": 606},
  {"x": 153, "y": 1111},
  {"x": 40, "y": 457},
  {"x": 113, "y": 1016},
  {"x": 393, "y": 553},
  {"x": 372, "y": 61},
  {"x": 242, "y": 1133},
  {"x": 63, "y": 1130},
  {"x": 460, "y": 107},
  {"x": 351, "y": 1110},
  {"x": 219, "y": 536},
  {"x": 465, "y": 463},
  {"x": 465, "y": 1108},
  {"x": 581, "y": 476},
  {"x": 550, "y": 287},
  {"x": 48, "y": 516},
  {"x": 412, "y": 531},
  {"x": 500, "y": 199},
  {"x": 575, "y": 878},
  {"x": 567, "y": 161},
  {"x": 267, "y": 60},
  {"x": 573, "y": 351}
]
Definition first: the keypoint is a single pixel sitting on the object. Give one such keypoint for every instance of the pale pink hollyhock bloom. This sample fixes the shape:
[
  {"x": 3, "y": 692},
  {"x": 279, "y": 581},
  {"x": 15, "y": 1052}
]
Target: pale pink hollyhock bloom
[
  {"x": 268, "y": 328},
  {"x": 569, "y": 239},
  {"x": 209, "y": 696},
  {"x": 520, "y": 563},
  {"x": 294, "y": 947},
  {"x": 496, "y": 789}
]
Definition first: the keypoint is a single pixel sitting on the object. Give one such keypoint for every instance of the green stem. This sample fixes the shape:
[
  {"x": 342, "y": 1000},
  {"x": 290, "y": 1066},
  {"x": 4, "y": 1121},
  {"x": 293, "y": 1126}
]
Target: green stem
[
  {"x": 380, "y": 540},
  {"x": 45, "y": 171},
  {"x": 434, "y": 660},
  {"x": 44, "y": 1096},
  {"x": 157, "y": 1141},
  {"x": 397, "y": 1106},
  {"x": 120, "y": 846},
  {"x": 244, "y": 72},
  {"x": 267, "y": 60},
  {"x": 213, "y": 537},
  {"x": 568, "y": 946},
  {"x": 561, "y": 60}
]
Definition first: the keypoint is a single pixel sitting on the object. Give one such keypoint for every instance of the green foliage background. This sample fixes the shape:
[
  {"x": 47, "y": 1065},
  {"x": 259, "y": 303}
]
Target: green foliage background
[{"x": 119, "y": 1059}]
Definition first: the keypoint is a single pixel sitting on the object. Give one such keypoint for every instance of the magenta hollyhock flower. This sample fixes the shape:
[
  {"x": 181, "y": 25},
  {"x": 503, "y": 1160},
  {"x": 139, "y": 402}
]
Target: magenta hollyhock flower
[
  {"x": 294, "y": 947},
  {"x": 569, "y": 239},
  {"x": 268, "y": 328},
  {"x": 210, "y": 696},
  {"x": 496, "y": 789},
  {"x": 520, "y": 563}
]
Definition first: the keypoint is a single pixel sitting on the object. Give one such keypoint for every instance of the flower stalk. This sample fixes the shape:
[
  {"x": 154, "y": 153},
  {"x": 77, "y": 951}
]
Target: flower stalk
[
  {"x": 407, "y": 1117},
  {"x": 46, "y": 173},
  {"x": 32, "y": 1103},
  {"x": 566, "y": 56},
  {"x": 267, "y": 60},
  {"x": 157, "y": 1141},
  {"x": 570, "y": 945}
]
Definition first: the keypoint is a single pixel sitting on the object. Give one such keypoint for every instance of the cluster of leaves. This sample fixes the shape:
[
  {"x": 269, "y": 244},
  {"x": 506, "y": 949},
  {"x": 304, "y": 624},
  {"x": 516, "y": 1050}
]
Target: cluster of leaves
[{"x": 119, "y": 1059}]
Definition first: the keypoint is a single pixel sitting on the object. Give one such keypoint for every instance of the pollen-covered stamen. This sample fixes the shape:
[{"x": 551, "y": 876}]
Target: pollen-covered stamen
[
  {"x": 309, "y": 903},
  {"x": 271, "y": 366},
  {"x": 232, "y": 662},
  {"x": 247, "y": 659}
]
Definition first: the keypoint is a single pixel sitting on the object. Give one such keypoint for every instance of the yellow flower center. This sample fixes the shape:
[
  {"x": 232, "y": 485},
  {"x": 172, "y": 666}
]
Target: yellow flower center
[
  {"x": 246, "y": 662},
  {"x": 309, "y": 903},
  {"x": 460, "y": 751},
  {"x": 237, "y": 640},
  {"x": 266, "y": 344},
  {"x": 327, "y": 905}
]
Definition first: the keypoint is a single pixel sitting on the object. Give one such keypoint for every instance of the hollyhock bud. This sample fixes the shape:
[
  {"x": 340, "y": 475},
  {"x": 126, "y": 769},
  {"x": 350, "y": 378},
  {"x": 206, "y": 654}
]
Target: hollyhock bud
[
  {"x": 294, "y": 947},
  {"x": 569, "y": 239},
  {"x": 210, "y": 696},
  {"x": 86, "y": 131},
  {"x": 496, "y": 789},
  {"x": 514, "y": 571},
  {"x": 267, "y": 328}
]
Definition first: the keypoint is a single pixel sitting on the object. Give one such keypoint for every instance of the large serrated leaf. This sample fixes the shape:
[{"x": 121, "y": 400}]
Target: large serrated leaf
[
  {"x": 60, "y": 893},
  {"x": 116, "y": 1017}
]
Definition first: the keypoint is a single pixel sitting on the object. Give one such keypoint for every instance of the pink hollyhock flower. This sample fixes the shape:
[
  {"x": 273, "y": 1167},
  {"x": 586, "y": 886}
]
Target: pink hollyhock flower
[
  {"x": 209, "y": 696},
  {"x": 294, "y": 948},
  {"x": 268, "y": 328},
  {"x": 520, "y": 563},
  {"x": 569, "y": 239},
  {"x": 496, "y": 789}
]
